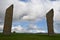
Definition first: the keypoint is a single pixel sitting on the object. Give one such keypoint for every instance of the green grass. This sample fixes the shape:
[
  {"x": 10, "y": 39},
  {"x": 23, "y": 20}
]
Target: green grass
[{"x": 25, "y": 36}]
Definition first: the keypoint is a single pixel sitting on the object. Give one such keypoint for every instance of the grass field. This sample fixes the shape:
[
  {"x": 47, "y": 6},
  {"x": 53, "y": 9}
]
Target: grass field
[{"x": 25, "y": 36}]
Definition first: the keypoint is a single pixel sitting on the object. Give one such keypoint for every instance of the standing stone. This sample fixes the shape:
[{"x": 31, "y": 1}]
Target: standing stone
[
  {"x": 49, "y": 17},
  {"x": 8, "y": 20}
]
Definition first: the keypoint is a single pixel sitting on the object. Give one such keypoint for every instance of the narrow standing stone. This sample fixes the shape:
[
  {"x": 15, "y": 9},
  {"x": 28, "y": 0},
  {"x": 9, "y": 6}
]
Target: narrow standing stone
[
  {"x": 8, "y": 20},
  {"x": 49, "y": 17}
]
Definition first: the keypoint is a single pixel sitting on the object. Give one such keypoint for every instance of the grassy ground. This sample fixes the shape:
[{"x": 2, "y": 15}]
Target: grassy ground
[{"x": 29, "y": 37}]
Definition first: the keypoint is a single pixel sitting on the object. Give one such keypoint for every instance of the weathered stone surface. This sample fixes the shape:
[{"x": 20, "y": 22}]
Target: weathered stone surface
[
  {"x": 49, "y": 17},
  {"x": 8, "y": 20}
]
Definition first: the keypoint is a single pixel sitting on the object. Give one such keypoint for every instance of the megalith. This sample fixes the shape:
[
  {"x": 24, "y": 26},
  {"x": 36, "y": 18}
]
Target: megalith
[
  {"x": 8, "y": 20},
  {"x": 49, "y": 18}
]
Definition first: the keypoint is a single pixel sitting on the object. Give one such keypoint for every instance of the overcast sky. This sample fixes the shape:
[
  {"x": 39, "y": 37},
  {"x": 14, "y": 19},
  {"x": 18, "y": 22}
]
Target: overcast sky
[{"x": 29, "y": 15}]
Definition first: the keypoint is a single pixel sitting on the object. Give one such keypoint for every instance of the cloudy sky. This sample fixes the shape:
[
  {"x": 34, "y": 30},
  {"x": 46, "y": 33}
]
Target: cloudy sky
[{"x": 29, "y": 15}]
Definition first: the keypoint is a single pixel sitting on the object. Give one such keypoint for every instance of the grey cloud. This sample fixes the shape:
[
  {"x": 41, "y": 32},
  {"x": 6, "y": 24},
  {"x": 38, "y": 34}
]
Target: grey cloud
[
  {"x": 1, "y": 18},
  {"x": 52, "y": 0},
  {"x": 1, "y": 28}
]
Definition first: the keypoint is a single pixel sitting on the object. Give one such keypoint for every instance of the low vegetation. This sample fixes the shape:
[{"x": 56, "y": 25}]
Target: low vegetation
[{"x": 25, "y": 36}]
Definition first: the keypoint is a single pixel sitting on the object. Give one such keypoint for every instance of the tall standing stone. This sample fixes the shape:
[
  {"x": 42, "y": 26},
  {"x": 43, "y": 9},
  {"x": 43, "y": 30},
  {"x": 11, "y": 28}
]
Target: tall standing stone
[
  {"x": 49, "y": 17},
  {"x": 8, "y": 20}
]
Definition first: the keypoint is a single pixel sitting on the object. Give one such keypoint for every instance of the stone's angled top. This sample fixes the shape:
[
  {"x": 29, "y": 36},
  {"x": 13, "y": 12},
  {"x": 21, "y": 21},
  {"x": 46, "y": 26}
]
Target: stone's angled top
[
  {"x": 51, "y": 12},
  {"x": 11, "y": 6}
]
